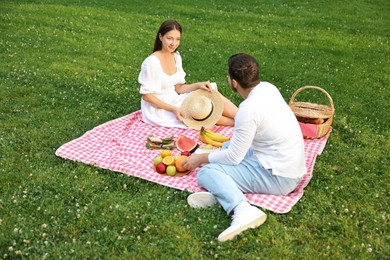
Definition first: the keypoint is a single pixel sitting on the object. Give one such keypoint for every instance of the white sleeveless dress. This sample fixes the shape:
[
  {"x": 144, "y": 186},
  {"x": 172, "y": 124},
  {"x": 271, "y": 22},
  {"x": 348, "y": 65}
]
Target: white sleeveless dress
[{"x": 153, "y": 79}]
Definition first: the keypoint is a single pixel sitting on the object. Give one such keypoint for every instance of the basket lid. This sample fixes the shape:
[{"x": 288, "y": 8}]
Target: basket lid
[{"x": 311, "y": 110}]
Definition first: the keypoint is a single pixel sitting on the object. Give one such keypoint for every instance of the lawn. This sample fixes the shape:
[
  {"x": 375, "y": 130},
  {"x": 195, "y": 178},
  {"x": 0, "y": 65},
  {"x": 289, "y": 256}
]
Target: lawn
[{"x": 68, "y": 66}]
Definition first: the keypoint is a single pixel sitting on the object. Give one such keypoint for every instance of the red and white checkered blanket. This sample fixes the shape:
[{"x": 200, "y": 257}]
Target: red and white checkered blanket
[{"x": 119, "y": 145}]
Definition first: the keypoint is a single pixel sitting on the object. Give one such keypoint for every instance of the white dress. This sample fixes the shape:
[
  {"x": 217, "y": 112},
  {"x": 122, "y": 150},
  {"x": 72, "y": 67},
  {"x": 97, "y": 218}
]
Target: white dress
[{"x": 154, "y": 80}]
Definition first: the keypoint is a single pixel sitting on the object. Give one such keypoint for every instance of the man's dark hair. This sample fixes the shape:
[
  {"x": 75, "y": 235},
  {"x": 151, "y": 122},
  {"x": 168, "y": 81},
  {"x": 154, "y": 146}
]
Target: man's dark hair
[
  {"x": 165, "y": 27},
  {"x": 244, "y": 69}
]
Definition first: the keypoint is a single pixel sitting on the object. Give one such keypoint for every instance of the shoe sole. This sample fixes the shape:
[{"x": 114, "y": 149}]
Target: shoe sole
[
  {"x": 201, "y": 200},
  {"x": 234, "y": 232}
]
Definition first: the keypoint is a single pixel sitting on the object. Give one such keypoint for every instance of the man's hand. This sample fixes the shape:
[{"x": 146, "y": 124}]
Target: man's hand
[{"x": 196, "y": 160}]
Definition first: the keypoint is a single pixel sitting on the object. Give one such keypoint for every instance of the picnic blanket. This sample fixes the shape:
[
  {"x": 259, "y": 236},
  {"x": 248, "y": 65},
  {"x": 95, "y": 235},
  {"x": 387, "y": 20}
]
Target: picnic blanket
[{"x": 119, "y": 145}]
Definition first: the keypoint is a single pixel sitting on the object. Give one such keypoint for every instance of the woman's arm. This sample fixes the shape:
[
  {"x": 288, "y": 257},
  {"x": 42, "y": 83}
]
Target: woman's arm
[
  {"x": 152, "y": 99},
  {"x": 185, "y": 88}
]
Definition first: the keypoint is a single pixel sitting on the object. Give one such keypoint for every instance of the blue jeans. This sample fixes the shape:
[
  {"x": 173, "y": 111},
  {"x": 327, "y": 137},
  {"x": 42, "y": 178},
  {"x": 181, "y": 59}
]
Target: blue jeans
[{"x": 228, "y": 183}]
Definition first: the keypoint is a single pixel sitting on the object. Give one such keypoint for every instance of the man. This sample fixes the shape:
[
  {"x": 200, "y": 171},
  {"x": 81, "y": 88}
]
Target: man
[{"x": 265, "y": 154}]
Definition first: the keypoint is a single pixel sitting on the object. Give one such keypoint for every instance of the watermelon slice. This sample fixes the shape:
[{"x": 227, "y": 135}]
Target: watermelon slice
[{"x": 184, "y": 143}]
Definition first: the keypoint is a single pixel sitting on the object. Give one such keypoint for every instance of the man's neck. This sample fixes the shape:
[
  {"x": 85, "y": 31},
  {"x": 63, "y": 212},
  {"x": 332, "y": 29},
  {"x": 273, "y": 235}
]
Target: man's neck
[{"x": 244, "y": 92}]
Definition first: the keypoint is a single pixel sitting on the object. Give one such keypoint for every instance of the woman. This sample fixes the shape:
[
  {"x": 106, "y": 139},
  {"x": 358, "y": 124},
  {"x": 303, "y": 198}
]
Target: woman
[{"x": 163, "y": 87}]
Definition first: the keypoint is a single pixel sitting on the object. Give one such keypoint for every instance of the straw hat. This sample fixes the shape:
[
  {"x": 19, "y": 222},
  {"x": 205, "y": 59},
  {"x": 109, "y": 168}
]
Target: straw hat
[{"x": 202, "y": 108}]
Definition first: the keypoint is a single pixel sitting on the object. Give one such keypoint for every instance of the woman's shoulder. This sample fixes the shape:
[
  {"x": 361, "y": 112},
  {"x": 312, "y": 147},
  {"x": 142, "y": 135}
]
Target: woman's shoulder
[
  {"x": 177, "y": 55},
  {"x": 178, "y": 59},
  {"x": 151, "y": 61},
  {"x": 151, "y": 58}
]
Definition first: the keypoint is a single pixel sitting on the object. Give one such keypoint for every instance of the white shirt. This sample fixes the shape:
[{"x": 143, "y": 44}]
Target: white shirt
[{"x": 265, "y": 123}]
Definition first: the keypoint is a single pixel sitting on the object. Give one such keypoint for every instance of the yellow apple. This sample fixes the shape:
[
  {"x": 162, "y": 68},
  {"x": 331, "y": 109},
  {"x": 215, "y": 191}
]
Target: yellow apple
[{"x": 171, "y": 170}]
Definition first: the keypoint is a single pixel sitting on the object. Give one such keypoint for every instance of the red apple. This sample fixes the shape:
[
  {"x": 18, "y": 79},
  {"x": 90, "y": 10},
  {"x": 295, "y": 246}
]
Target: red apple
[{"x": 161, "y": 167}]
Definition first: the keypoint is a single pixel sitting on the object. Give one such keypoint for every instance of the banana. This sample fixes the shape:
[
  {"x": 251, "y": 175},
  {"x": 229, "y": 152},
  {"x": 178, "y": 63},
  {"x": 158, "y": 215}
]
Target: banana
[
  {"x": 207, "y": 147},
  {"x": 202, "y": 137},
  {"x": 205, "y": 139},
  {"x": 215, "y": 136}
]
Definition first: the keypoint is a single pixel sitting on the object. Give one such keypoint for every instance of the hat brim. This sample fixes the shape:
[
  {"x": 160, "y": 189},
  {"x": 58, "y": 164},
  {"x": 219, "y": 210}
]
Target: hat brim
[{"x": 215, "y": 97}]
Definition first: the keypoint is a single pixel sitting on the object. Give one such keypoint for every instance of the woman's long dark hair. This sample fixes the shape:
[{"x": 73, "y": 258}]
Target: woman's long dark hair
[{"x": 165, "y": 27}]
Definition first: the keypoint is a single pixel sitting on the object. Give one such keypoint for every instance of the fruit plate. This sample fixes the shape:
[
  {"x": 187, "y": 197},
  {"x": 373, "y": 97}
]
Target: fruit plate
[{"x": 178, "y": 174}]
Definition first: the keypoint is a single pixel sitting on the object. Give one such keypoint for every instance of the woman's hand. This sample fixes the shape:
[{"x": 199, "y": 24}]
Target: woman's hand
[
  {"x": 151, "y": 98},
  {"x": 205, "y": 86},
  {"x": 178, "y": 114},
  {"x": 196, "y": 160}
]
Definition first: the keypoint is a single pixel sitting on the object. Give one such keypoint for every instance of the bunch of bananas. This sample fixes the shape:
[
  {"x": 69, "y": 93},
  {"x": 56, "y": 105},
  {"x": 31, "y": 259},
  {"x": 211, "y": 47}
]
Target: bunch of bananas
[{"x": 209, "y": 137}]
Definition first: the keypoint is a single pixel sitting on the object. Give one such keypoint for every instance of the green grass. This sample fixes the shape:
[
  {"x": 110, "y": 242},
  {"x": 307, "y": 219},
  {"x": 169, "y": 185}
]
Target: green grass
[{"x": 68, "y": 66}]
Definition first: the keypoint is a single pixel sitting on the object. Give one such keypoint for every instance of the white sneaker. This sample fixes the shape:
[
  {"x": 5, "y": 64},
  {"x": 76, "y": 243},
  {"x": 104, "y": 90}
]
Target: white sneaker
[
  {"x": 251, "y": 218},
  {"x": 201, "y": 199}
]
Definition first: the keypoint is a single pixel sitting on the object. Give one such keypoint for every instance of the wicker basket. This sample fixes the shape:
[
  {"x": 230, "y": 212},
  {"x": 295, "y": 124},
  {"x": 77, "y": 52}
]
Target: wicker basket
[{"x": 314, "y": 119}]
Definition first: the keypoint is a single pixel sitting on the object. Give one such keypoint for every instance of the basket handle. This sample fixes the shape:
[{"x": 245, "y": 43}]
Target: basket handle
[{"x": 312, "y": 87}]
